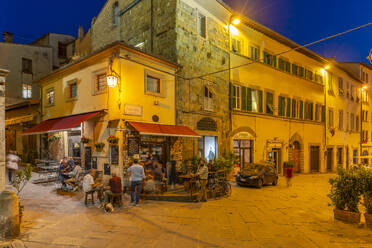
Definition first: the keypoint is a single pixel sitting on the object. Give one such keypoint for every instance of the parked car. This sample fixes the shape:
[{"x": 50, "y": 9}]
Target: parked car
[{"x": 257, "y": 175}]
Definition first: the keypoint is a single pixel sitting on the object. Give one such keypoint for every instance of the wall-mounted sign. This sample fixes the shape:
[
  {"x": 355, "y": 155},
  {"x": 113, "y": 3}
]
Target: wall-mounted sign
[
  {"x": 130, "y": 109},
  {"x": 207, "y": 124},
  {"x": 243, "y": 135},
  {"x": 114, "y": 154}
]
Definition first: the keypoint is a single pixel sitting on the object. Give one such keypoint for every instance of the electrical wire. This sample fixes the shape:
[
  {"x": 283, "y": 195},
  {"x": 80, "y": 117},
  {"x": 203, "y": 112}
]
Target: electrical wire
[{"x": 284, "y": 52}]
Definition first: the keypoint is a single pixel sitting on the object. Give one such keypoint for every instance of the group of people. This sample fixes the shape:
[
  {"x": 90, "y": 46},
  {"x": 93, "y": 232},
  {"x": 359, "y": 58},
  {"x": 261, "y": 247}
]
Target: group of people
[{"x": 69, "y": 174}]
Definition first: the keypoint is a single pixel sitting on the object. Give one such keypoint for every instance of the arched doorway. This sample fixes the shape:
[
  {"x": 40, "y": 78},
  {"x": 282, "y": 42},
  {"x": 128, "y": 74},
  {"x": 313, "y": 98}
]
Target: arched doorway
[{"x": 296, "y": 156}]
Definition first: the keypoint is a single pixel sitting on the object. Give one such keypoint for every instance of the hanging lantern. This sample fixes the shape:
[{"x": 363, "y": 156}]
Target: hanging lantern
[{"x": 112, "y": 81}]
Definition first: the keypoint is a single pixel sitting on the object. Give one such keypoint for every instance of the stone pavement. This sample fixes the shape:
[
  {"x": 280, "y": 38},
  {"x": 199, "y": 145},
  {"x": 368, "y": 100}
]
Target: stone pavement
[{"x": 278, "y": 216}]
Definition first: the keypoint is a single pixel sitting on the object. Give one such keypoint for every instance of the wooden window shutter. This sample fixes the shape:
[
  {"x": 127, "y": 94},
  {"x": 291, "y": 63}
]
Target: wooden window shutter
[
  {"x": 274, "y": 61},
  {"x": 316, "y": 112},
  {"x": 301, "y": 110},
  {"x": 280, "y": 106},
  {"x": 249, "y": 99},
  {"x": 288, "y": 110},
  {"x": 244, "y": 97},
  {"x": 323, "y": 113},
  {"x": 311, "y": 111},
  {"x": 260, "y": 101}
]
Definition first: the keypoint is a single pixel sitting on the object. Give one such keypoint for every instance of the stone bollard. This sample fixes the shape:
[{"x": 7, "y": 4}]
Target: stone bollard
[{"x": 9, "y": 215}]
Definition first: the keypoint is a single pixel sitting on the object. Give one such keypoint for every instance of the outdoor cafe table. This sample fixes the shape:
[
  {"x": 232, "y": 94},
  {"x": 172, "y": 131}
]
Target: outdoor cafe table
[{"x": 189, "y": 182}]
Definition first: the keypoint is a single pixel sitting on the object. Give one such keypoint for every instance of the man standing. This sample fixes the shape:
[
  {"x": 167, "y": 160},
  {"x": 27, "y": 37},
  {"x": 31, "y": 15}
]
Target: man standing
[
  {"x": 114, "y": 185},
  {"x": 203, "y": 179},
  {"x": 137, "y": 175},
  {"x": 89, "y": 184}
]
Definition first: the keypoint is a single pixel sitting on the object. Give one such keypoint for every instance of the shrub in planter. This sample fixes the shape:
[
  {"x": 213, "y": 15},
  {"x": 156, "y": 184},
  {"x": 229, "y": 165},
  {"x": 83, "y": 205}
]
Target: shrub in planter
[
  {"x": 99, "y": 146},
  {"x": 112, "y": 140},
  {"x": 23, "y": 177},
  {"x": 345, "y": 195},
  {"x": 84, "y": 140},
  {"x": 365, "y": 176}
]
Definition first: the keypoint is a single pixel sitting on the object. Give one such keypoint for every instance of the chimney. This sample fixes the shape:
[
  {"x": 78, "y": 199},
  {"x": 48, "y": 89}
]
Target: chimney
[
  {"x": 8, "y": 37},
  {"x": 80, "y": 32}
]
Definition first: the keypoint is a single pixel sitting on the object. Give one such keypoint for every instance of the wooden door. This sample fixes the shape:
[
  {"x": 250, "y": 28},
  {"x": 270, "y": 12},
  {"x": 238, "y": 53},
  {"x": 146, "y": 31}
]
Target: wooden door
[
  {"x": 314, "y": 158},
  {"x": 329, "y": 159}
]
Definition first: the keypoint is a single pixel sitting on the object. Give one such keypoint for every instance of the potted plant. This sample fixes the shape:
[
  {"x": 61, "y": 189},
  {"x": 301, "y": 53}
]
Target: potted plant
[
  {"x": 345, "y": 195},
  {"x": 84, "y": 140},
  {"x": 99, "y": 146},
  {"x": 112, "y": 140},
  {"x": 366, "y": 181},
  {"x": 22, "y": 178},
  {"x": 54, "y": 137}
]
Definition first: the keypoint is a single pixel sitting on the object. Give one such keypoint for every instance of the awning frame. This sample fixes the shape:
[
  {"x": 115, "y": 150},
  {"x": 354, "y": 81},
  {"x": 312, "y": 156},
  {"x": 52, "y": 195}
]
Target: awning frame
[{"x": 162, "y": 134}]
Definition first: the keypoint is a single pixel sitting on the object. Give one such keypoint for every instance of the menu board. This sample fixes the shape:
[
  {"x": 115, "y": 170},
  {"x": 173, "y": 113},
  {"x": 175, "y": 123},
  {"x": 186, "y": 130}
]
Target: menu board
[
  {"x": 107, "y": 169},
  {"x": 114, "y": 154},
  {"x": 94, "y": 163},
  {"x": 133, "y": 146},
  {"x": 88, "y": 157}
]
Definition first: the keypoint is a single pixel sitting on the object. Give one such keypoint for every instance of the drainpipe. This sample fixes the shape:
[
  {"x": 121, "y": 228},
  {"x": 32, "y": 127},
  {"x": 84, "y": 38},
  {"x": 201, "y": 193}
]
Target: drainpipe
[
  {"x": 325, "y": 123},
  {"x": 151, "y": 27}
]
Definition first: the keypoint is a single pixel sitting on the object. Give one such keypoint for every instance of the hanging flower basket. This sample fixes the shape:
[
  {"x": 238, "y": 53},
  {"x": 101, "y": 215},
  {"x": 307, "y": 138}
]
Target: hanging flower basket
[
  {"x": 113, "y": 140},
  {"x": 54, "y": 137},
  {"x": 99, "y": 146},
  {"x": 84, "y": 140}
]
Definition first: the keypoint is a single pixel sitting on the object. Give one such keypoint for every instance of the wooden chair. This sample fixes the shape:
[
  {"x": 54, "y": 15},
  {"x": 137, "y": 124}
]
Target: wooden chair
[
  {"x": 91, "y": 193},
  {"x": 116, "y": 197}
]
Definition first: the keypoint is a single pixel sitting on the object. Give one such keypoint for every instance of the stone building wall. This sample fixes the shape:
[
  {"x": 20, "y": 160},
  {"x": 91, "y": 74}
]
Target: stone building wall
[
  {"x": 3, "y": 74},
  {"x": 174, "y": 36}
]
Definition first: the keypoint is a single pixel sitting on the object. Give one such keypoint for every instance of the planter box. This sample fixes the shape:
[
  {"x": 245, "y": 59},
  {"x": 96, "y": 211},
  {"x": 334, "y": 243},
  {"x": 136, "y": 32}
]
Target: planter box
[
  {"x": 368, "y": 218},
  {"x": 347, "y": 216}
]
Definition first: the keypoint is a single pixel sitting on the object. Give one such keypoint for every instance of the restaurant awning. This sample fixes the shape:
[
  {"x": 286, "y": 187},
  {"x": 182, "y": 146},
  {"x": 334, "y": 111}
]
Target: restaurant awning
[
  {"x": 163, "y": 130},
  {"x": 60, "y": 124}
]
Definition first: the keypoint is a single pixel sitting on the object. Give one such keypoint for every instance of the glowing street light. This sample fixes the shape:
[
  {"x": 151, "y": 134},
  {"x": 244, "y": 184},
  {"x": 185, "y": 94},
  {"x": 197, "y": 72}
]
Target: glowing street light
[
  {"x": 235, "y": 21},
  {"x": 326, "y": 67}
]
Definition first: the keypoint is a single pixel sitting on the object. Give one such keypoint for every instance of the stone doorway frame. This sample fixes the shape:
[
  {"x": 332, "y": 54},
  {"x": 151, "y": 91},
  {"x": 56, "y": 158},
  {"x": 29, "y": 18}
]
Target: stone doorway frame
[{"x": 297, "y": 138}]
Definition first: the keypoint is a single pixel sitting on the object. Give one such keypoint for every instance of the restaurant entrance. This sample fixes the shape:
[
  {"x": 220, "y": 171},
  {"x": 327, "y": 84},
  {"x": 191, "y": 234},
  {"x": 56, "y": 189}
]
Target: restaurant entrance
[{"x": 243, "y": 149}]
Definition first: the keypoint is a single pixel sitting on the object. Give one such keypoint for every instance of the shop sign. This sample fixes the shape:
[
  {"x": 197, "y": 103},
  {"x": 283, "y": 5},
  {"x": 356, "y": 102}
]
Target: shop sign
[
  {"x": 130, "y": 109},
  {"x": 243, "y": 135},
  {"x": 207, "y": 124}
]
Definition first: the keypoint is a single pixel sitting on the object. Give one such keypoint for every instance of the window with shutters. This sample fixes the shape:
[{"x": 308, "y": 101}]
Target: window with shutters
[
  {"x": 301, "y": 109},
  {"x": 236, "y": 45},
  {"x": 301, "y": 71},
  {"x": 310, "y": 111},
  {"x": 323, "y": 114},
  {"x": 26, "y": 91},
  {"x": 269, "y": 59},
  {"x": 254, "y": 100},
  {"x": 294, "y": 69},
  {"x": 202, "y": 25},
  {"x": 347, "y": 121},
  {"x": 208, "y": 99},
  {"x": 347, "y": 89},
  {"x": 340, "y": 86},
  {"x": 352, "y": 93},
  {"x": 50, "y": 97},
  {"x": 115, "y": 14},
  {"x": 269, "y": 103},
  {"x": 281, "y": 106},
  {"x": 284, "y": 65},
  {"x": 26, "y": 65},
  {"x": 236, "y": 97},
  {"x": 309, "y": 74},
  {"x": 288, "y": 107},
  {"x": 357, "y": 123},
  {"x": 255, "y": 52},
  {"x": 352, "y": 122},
  {"x": 318, "y": 112},
  {"x": 330, "y": 118},
  {"x": 71, "y": 90},
  {"x": 340, "y": 119}
]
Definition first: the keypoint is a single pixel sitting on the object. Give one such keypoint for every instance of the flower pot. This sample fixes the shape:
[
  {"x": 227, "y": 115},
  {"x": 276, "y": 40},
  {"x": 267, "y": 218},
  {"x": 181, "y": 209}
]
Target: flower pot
[
  {"x": 347, "y": 216},
  {"x": 368, "y": 218},
  {"x": 99, "y": 149}
]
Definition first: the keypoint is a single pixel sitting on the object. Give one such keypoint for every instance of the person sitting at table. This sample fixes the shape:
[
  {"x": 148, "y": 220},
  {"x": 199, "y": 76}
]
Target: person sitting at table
[
  {"x": 114, "y": 187},
  {"x": 75, "y": 174},
  {"x": 63, "y": 168},
  {"x": 158, "y": 176},
  {"x": 90, "y": 185}
]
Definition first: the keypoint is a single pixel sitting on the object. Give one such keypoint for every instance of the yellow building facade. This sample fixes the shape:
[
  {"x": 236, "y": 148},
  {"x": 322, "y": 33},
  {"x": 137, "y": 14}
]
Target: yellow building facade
[{"x": 80, "y": 111}]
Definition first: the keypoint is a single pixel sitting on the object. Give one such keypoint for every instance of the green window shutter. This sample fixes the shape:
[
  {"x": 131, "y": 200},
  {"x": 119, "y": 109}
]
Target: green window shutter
[
  {"x": 280, "y": 63},
  {"x": 265, "y": 57},
  {"x": 231, "y": 102},
  {"x": 288, "y": 67},
  {"x": 323, "y": 113},
  {"x": 260, "y": 101},
  {"x": 301, "y": 110},
  {"x": 288, "y": 113},
  {"x": 311, "y": 111},
  {"x": 316, "y": 112},
  {"x": 274, "y": 61},
  {"x": 294, "y": 108},
  {"x": 244, "y": 97},
  {"x": 249, "y": 99},
  {"x": 269, "y": 103},
  {"x": 280, "y": 106}
]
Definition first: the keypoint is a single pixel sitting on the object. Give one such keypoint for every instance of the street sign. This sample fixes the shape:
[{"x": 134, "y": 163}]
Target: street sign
[{"x": 370, "y": 56}]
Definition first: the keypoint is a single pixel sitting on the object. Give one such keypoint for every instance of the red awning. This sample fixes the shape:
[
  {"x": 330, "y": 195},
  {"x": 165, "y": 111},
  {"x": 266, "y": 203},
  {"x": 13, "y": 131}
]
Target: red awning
[
  {"x": 163, "y": 130},
  {"x": 60, "y": 124}
]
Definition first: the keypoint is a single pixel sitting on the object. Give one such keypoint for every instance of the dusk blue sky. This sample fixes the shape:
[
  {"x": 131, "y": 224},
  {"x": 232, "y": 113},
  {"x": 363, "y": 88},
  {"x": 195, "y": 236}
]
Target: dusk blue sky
[{"x": 302, "y": 21}]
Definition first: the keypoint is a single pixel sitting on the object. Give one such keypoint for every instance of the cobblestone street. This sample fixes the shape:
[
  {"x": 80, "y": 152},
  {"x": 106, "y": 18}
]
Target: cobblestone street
[{"x": 278, "y": 216}]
